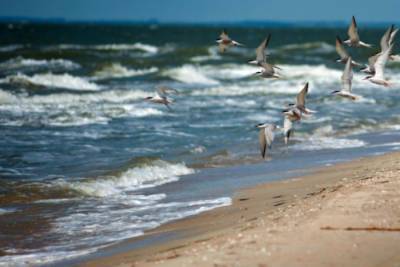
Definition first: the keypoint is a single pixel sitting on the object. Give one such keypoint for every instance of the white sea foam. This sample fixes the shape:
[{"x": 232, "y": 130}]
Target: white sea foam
[
  {"x": 67, "y": 109},
  {"x": 116, "y": 70},
  {"x": 190, "y": 74},
  {"x": 10, "y": 48},
  {"x": 136, "y": 46},
  {"x": 311, "y": 47},
  {"x": 20, "y": 62},
  {"x": 159, "y": 172},
  {"x": 53, "y": 80},
  {"x": 147, "y": 48},
  {"x": 7, "y": 210},
  {"x": 318, "y": 143}
]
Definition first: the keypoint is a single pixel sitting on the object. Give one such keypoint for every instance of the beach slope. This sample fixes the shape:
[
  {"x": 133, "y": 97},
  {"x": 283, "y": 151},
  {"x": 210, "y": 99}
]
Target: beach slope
[{"x": 342, "y": 215}]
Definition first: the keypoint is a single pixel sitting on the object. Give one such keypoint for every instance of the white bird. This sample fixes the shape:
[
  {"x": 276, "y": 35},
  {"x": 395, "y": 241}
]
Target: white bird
[
  {"x": 354, "y": 39},
  {"x": 344, "y": 55},
  {"x": 225, "y": 41},
  {"x": 379, "y": 66},
  {"x": 287, "y": 128},
  {"x": 161, "y": 96},
  {"x": 266, "y": 137},
  {"x": 267, "y": 71},
  {"x": 347, "y": 78},
  {"x": 301, "y": 102},
  {"x": 261, "y": 55},
  {"x": 386, "y": 41}
]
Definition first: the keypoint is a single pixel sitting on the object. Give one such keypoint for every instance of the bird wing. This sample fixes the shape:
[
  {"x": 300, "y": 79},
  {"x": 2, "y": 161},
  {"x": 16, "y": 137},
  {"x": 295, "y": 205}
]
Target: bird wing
[
  {"x": 224, "y": 35},
  {"x": 269, "y": 134},
  {"x": 287, "y": 128},
  {"x": 385, "y": 38},
  {"x": 163, "y": 90},
  {"x": 268, "y": 68},
  {"x": 301, "y": 97},
  {"x": 381, "y": 62},
  {"x": 260, "y": 51},
  {"x": 340, "y": 48},
  {"x": 352, "y": 31},
  {"x": 263, "y": 142},
  {"x": 372, "y": 60},
  {"x": 347, "y": 76},
  {"x": 392, "y": 35}
]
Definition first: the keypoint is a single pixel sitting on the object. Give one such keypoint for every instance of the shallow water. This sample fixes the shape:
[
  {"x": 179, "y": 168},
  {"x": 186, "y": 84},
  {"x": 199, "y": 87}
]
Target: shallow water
[{"x": 85, "y": 162}]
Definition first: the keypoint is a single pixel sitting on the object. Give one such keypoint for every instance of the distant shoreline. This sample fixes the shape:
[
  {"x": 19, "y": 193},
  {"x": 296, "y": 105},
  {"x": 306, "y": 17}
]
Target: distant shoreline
[{"x": 238, "y": 24}]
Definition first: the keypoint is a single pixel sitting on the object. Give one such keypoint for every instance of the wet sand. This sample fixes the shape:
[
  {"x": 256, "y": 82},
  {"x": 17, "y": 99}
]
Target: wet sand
[{"x": 343, "y": 215}]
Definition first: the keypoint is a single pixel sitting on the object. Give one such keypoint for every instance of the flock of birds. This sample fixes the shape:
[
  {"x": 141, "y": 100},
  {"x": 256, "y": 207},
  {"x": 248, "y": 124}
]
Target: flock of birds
[{"x": 294, "y": 111}]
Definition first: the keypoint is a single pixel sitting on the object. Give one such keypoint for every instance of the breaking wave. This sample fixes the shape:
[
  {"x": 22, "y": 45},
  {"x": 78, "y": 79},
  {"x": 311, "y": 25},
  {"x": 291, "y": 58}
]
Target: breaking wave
[
  {"x": 116, "y": 70},
  {"x": 66, "y": 81}
]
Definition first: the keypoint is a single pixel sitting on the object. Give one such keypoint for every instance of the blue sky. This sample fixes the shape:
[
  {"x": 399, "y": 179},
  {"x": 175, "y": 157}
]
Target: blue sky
[{"x": 205, "y": 10}]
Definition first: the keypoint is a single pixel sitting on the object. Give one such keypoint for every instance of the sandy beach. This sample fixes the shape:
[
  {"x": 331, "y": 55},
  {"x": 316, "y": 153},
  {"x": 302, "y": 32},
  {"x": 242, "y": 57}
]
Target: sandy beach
[{"x": 342, "y": 215}]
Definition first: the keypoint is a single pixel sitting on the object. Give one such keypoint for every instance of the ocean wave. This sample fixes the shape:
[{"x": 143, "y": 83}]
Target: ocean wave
[
  {"x": 159, "y": 172},
  {"x": 20, "y": 62},
  {"x": 147, "y": 48},
  {"x": 67, "y": 109},
  {"x": 10, "y": 48},
  {"x": 190, "y": 74},
  {"x": 116, "y": 70},
  {"x": 7, "y": 210},
  {"x": 213, "y": 54},
  {"x": 325, "y": 142},
  {"x": 312, "y": 47},
  {"x": 66, "y": 81}
]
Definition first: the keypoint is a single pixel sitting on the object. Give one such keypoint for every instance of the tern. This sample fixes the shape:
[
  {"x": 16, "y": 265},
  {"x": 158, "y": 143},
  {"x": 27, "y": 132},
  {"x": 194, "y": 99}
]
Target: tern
[
  {"x": 268, "y": 71},
  {"x": 379, "y": 66},
  {"x": 261, "y": 55},
  {"x": 300, "y": 102},
  {"x": 225, "y": 41},
  {"x": 344, "y": 55},
  {"x": 161, "y": 96},
  {"x": 385, "y": 43},
  {"x": 266, "y": 137},
  {"x": 347, "y": 78},
  {"x": 287, "y": 128},
  {"x": 354, "y": 39}
]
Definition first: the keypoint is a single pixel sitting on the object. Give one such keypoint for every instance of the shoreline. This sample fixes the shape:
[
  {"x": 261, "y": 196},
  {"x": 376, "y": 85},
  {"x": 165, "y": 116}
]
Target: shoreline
[{"x": 267, "y": 203}]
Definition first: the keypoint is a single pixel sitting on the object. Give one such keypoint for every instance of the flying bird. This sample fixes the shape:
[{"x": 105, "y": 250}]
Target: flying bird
[
  {"x": 347, "y": 78},
  {"x": 161, "y": 96},
  {"x": 261, "y": 55},
  {"x": 354, "y": 39},
  {"x": 265, "y": 137},
  {"x": 287, "y": 128},
  {"x": 267, "y": 71},
  {"x": 344, "y": 55},
  {"x": 301, "y": 101},
  {"x": 379, "y": 66},
  {"x": 225, "y": 41}
]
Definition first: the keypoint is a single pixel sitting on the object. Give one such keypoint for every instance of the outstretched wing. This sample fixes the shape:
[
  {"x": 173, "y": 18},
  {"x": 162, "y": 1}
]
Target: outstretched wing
[
  {"x": 340, "y": 48},
  {"x": 352, "y": 31},
  {"x": 301, "y": 97},
  {"x": 381, "y": 62},
  {"x": 260, "y": 51},
  {"x": 262, "y": 141},
  {"x": 347, "y": 76},
  {"x": 224, "y": 35}
]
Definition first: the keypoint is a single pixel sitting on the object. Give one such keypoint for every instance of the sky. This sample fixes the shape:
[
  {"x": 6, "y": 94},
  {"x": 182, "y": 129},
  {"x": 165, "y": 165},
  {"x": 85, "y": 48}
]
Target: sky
[{"x": 208, "y": 11}]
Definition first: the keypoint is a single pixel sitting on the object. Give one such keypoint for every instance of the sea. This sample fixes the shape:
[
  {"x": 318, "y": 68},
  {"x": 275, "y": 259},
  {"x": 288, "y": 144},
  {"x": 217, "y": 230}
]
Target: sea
[{"x": 86, "y": 162}]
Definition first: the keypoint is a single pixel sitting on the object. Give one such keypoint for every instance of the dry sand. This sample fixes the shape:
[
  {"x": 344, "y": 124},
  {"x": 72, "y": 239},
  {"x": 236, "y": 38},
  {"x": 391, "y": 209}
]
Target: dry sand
[{"x": 343, "y": 215}]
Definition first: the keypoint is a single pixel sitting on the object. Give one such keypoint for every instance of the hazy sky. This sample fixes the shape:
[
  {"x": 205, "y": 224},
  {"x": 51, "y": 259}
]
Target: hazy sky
[{"x": 205, "y": 10}]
